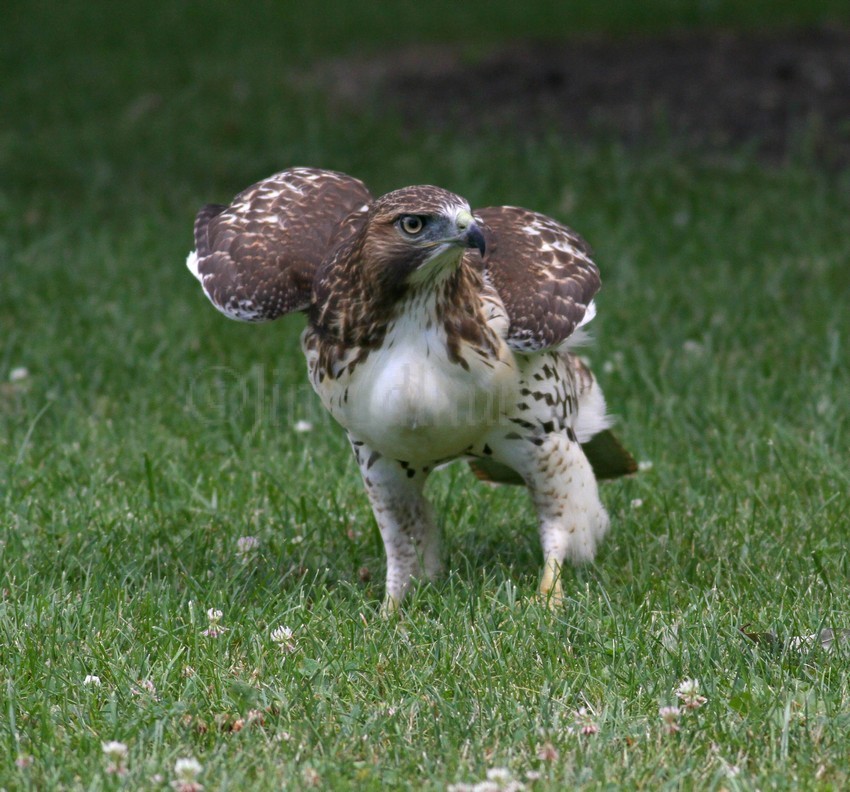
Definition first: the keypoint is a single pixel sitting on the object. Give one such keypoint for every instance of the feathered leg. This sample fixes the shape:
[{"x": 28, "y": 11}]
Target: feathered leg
[
  {"x": 572, "y": 519},
  {"x": 411, "y": 537}
]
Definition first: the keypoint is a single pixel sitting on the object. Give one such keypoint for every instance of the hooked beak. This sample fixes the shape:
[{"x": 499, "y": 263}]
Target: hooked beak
[
  {"x": 471, "y": 234},
  {"x": 475, "y": 239}
]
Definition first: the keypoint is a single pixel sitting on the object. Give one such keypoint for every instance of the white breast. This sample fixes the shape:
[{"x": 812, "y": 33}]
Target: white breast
[{"x": 407, "y": 400}]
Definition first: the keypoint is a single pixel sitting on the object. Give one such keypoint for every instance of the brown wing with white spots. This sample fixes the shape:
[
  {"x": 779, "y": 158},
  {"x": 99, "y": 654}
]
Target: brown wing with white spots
[
  {"x": 543, "y": 273},
  {"x": 256, "y": 258}
]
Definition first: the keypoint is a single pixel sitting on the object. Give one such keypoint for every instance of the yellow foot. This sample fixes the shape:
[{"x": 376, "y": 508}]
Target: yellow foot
[
  {"x": 551, "y": 591},
  {"x": 389, "y": 607}
]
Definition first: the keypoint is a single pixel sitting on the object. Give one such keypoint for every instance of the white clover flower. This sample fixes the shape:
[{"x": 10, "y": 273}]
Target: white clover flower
[
  {"x": 92, "y": 680},
  {"x": 585, "y": 721},
  {"x": 18, "y": 374},
  {"x": 245, "y": 545},
  {"x": 187, "y": 771},
  {"x": 282, "y": 634},
  {"x": 188, "y": 768},
  {"x": 670, "y": 717},
  {"x": 215, "y": 629},
  {"x": 644, "y": 465},
  {"x": 636, "y": 503},
  {"x": 688, "y": 693},
  {"x": 499, "y": 779},
  {"x": 145, "y": 687},
  {"x": 116, "y": 753},
  {"x": 284, "y": 638},
  {"x": 303, "y": 427},
  {"x": 114, "y": 749}
]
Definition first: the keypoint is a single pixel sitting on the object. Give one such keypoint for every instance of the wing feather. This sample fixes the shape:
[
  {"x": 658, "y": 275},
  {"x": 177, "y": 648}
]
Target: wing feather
[
  {"x": 256, "y": 258},
  {"x": 543, "y": 273}
]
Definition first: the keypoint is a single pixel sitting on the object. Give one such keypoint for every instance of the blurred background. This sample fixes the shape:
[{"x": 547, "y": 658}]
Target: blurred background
[{"x": 119, "y": 102}]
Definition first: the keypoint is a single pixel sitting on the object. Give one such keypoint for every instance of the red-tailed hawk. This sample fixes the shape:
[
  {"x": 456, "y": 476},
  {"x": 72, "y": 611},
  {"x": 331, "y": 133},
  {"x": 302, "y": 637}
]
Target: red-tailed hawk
[{"x": 434, "y": 333}]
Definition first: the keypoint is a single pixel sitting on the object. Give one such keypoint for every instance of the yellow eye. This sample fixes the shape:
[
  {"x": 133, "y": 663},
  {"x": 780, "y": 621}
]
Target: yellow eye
[{"x": 411, "y": 224}]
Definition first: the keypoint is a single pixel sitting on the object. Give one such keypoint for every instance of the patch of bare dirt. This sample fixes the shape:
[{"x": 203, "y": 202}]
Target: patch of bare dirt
[{"x": 780, "y": 94}]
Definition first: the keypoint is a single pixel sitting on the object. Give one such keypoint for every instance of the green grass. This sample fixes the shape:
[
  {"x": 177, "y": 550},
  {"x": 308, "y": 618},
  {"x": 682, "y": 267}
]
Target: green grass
[{"x": 150, "y": 434}]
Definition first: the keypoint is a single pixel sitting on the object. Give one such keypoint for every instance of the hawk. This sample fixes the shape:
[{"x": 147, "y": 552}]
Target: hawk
[{"x": 434, "y": 333}]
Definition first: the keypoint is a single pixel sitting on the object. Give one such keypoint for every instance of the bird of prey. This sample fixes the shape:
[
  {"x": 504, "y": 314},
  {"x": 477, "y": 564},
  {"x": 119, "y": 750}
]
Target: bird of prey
[{"x": 434, "y": 333}]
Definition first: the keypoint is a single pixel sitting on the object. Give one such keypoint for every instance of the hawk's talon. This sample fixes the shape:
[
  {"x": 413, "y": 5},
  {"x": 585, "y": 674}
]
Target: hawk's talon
[
  {"x": 551, "y": 591},
  {"x": 389, "y": 607}
]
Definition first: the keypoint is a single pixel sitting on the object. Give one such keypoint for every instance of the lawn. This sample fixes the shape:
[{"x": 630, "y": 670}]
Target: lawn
[{"x": 159, "y": 463}]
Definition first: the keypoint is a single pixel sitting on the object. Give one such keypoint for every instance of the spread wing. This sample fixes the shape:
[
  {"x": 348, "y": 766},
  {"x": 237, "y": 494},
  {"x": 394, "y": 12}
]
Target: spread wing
[
  {"x": 543, "y": 273},
  {"x": 257, "y": 257}
]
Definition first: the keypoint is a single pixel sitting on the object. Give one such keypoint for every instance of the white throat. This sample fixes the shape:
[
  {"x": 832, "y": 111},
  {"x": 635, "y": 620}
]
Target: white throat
[{"x": 444, "y": 260}]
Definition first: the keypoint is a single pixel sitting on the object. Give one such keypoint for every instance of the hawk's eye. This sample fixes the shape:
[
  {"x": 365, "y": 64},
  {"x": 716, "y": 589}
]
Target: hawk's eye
[{"x": 411, "y": 224}]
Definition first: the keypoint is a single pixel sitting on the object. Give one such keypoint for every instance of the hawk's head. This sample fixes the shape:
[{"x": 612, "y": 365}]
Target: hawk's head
[{"x": 417, "y": 235}]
